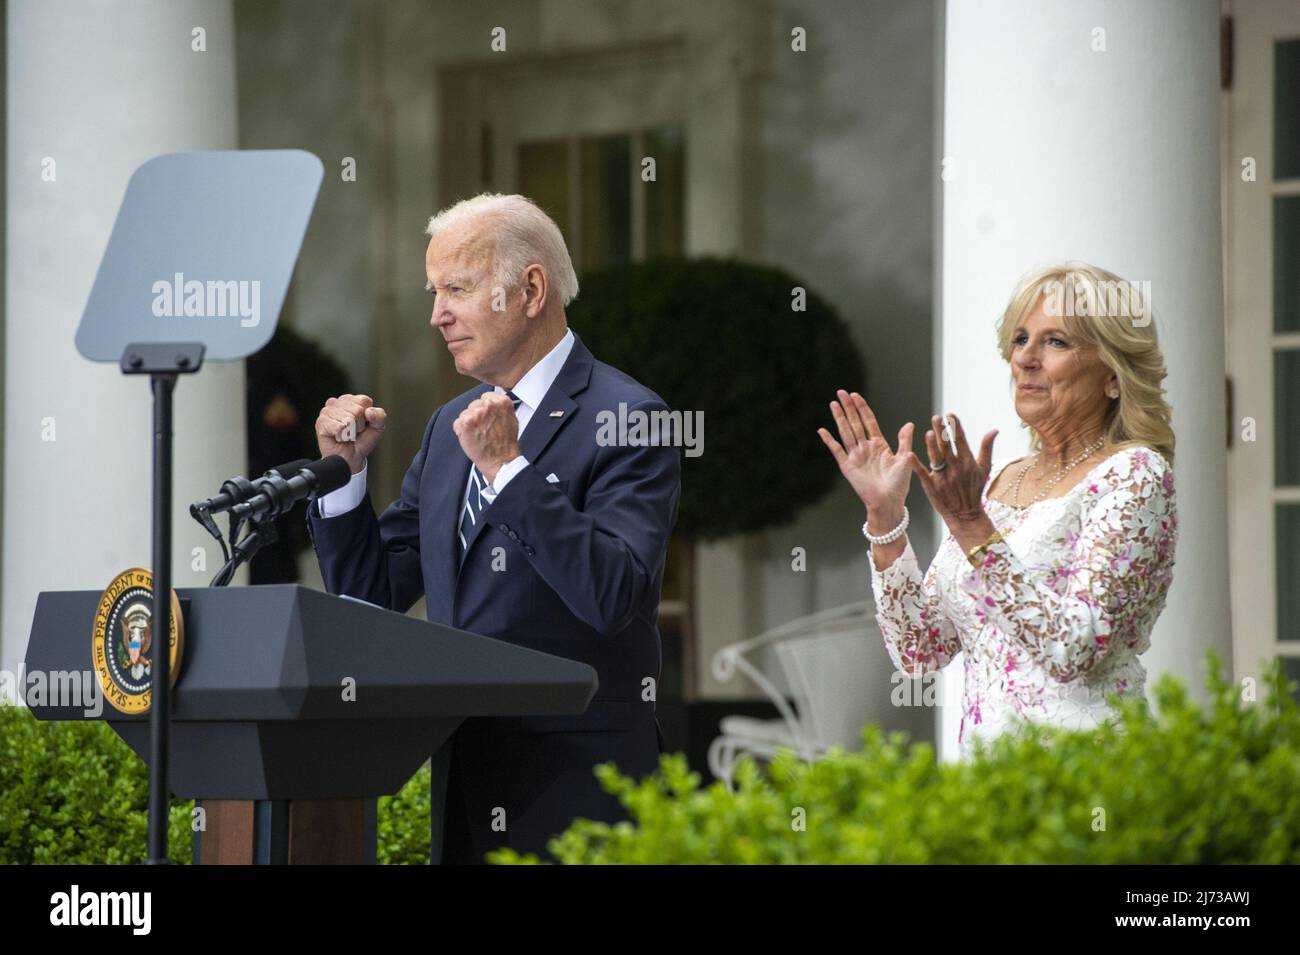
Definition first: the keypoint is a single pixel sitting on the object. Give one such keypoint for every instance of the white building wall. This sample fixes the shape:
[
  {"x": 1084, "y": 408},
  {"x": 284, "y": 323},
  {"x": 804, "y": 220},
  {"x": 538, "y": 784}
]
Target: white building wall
[{"x": 96, "y": 89}]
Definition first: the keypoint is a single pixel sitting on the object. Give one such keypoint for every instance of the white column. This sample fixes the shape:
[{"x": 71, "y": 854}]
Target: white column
[
  {"x": 95, "y": 89},
  {"x": 1090, "y": 130},
  {"x": 724, "y": 57}
]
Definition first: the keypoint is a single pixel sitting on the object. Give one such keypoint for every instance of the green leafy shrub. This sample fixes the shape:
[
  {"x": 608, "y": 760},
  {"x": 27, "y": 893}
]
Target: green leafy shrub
[
  {"x": 404, "y": 823},
  {"x": 1177, "y": 785},
  {"x": 74, "y": 793}
]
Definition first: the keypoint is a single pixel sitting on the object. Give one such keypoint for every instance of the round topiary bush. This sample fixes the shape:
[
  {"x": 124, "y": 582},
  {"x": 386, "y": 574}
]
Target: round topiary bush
[{"x": 723, "y": 338}]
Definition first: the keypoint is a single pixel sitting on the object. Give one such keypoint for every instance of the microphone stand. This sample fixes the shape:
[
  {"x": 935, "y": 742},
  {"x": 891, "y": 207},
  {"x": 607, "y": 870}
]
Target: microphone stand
[
  {"x": 275, "y": 496},
  {"x": 263, "y": 532}
]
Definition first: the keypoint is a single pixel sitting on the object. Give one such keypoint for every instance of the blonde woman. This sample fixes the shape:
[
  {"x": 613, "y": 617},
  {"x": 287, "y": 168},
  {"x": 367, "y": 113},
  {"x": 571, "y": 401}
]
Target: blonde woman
[{"x": 1055, "y": 566}]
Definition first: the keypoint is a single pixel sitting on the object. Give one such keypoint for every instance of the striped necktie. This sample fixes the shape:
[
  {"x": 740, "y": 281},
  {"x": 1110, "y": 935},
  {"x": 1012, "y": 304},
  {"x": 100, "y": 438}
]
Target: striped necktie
[{"x": 475, "y": 503}]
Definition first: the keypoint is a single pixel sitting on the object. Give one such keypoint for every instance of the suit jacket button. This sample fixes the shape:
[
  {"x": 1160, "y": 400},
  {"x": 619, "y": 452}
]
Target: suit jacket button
[{"x": 529, "y": 551}]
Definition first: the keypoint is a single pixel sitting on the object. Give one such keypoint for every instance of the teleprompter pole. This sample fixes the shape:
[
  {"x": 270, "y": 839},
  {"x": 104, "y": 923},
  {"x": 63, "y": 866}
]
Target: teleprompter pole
[{"x": 163, "y": 363}]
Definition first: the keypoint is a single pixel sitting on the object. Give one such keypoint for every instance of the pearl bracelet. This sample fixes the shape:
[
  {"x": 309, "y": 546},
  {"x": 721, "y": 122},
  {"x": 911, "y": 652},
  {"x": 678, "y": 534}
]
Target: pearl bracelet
[{"x": 893, "y": 535}]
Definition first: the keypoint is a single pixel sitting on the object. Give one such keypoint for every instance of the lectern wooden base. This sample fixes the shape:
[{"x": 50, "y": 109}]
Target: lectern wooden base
[{"x": 293, "y": 832}]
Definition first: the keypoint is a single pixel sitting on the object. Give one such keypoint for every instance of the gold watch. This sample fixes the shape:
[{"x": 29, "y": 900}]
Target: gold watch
[{"x": 976, "y": 553}]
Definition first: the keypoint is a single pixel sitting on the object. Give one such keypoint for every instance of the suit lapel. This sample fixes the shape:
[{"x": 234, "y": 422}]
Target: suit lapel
[{"x": 544, "y": 425}]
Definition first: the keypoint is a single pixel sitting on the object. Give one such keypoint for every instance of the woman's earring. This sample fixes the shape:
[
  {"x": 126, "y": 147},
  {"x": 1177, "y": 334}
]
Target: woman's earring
[{"x": 1111, "y": 393}]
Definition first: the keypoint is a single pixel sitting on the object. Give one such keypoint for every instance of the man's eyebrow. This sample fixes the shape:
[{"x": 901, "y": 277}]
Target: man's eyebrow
[{"x": 463, "y": 281}]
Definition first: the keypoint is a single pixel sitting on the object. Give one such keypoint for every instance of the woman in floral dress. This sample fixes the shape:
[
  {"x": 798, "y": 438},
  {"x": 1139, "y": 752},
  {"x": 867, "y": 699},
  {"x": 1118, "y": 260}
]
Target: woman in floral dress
[{"x": 1053, "y": 567}]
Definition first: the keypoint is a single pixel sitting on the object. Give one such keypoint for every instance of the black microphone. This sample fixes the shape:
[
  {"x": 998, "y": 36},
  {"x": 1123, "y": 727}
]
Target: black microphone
[
  {"x": 239, "y": 489},
  {"x": 277, "y": 495}
]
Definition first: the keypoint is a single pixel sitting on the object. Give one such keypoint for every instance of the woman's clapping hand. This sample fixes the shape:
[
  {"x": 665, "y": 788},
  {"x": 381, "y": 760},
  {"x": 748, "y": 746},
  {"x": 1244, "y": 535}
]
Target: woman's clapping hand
[
  {"x": 957, "y": 488},
  {"x": 879, "y": 476}
]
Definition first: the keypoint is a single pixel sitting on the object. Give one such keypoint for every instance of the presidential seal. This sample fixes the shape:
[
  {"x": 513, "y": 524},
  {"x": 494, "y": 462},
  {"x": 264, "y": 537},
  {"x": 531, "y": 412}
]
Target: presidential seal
[{"x": 123, "y": 635}]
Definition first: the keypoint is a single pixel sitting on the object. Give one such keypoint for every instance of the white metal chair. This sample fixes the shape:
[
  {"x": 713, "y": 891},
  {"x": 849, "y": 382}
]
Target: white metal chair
[{"x": 830, "y": 662}]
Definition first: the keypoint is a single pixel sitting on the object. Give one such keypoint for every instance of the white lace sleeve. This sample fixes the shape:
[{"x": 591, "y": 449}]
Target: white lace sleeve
[
  {"x": 1069, "y": 616},
  {"x": 919, "y": 638}
]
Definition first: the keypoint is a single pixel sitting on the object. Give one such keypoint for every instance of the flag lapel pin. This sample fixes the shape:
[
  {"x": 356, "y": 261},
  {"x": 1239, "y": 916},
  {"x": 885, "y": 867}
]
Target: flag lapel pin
[{"x": 557, "y": 414}]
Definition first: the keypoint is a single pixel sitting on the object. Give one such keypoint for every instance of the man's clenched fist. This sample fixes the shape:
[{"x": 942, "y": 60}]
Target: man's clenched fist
[
  {"x": 350, "y": 426},
  {"x": 489, "y": 432}
]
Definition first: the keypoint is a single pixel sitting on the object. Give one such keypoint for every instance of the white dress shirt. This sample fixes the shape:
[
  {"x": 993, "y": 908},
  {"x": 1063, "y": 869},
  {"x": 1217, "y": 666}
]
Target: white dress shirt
[{"x": 530, "y": 391}]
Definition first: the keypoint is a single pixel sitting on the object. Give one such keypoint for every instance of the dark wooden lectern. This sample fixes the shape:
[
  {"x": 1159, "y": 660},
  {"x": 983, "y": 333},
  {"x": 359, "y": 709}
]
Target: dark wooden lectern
[{"x": 296, "y": 709}]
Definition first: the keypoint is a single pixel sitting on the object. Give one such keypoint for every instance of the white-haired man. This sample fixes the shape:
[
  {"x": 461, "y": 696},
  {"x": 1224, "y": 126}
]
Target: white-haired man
[{"x": 515, "y": 464}]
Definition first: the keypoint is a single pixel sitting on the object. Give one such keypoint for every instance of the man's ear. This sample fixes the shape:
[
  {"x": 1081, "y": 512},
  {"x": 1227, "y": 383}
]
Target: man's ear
[{"x": 535, "y": 288}]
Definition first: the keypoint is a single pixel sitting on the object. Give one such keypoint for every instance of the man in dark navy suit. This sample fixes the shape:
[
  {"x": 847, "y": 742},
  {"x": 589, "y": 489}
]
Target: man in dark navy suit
[{"x": 518, "y": 519}]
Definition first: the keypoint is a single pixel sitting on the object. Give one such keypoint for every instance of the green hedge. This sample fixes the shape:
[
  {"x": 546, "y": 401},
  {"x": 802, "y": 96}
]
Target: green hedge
[
  {"x": 404, "y": 823},
  {"x": 1177, "y": 785},
  {"x": 74, "y": 793}
]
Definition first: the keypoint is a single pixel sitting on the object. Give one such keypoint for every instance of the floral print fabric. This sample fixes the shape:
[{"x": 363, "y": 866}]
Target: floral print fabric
[{"x": 1057, "y": 614}]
